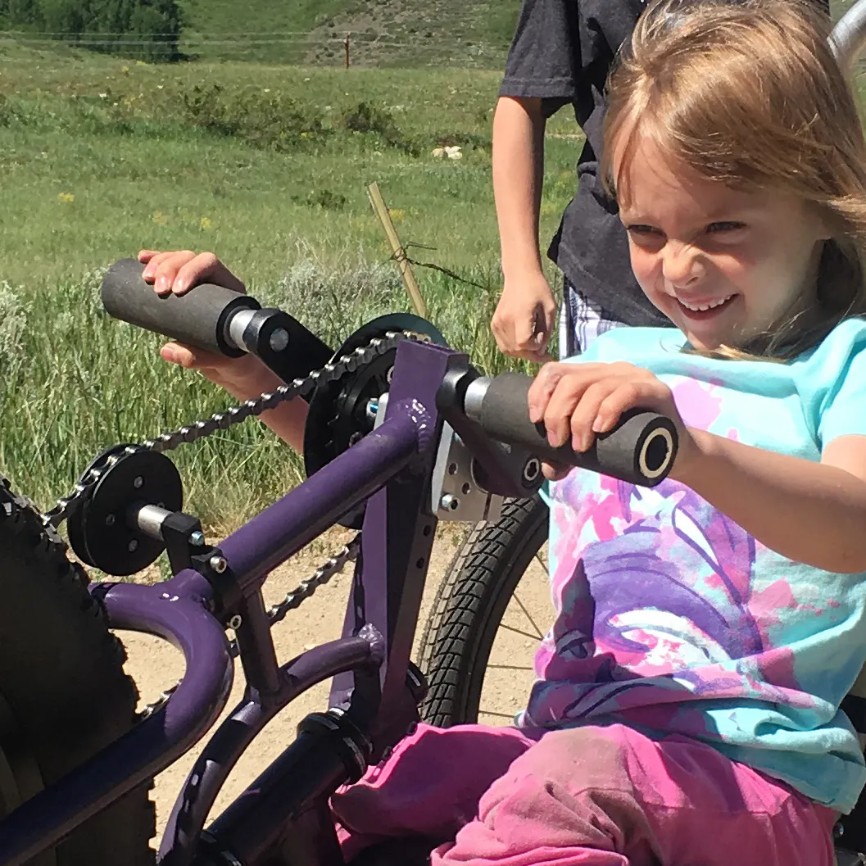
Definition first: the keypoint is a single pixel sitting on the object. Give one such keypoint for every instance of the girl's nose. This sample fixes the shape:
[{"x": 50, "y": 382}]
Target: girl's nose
[{"x": 682, "y": 265}]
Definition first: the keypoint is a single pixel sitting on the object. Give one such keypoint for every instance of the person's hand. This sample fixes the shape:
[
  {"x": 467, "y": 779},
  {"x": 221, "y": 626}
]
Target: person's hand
[
  {"x": 577, "y": 402},
  {"x": 525, "y": 318},
  {"x": 178, "y": 271}
]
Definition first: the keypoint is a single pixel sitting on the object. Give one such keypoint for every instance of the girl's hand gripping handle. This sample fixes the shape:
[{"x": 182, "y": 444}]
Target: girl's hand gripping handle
[{"x": 640, "y": 449}]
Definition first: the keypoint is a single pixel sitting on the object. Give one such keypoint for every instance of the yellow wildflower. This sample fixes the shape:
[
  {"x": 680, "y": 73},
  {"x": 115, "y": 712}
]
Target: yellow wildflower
[
  {"x": 66, "y": 197},
  {"x": 205, "y": 224}
]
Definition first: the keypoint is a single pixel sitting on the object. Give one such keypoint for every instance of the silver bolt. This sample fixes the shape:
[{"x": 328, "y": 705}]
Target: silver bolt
[
  {"x": 279, "y": 339},
  {"x": 531, "y": 470},
  {"x": 132, "y": 546},
  {"x": 110, "y": 519},
  {"x": 449, "y": 502},
  {"x": 218, "y": 564},
  {"x": 235, "y": 621},
  {"x": 138, "y": 482},
  {"x": 197, "y": 538}
]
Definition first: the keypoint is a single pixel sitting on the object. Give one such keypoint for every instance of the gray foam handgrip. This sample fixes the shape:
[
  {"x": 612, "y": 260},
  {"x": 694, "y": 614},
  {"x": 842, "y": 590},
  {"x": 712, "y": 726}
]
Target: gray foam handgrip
[
  {"x": 199, "y": 317},
  {"x": 641, "y": 449}
]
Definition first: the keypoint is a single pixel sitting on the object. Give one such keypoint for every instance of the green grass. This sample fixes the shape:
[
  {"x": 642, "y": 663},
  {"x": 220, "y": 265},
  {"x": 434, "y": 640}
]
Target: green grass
[{"x": 101, "y": 157}]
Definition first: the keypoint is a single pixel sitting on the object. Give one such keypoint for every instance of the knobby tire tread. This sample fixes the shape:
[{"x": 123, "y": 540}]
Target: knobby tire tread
[
  {"x": 469, "y": 606},
  {"x": 62, "y": 680}
]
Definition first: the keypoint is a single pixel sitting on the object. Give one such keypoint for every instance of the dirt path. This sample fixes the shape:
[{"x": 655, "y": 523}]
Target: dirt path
[{"x": 155, "y": 665}]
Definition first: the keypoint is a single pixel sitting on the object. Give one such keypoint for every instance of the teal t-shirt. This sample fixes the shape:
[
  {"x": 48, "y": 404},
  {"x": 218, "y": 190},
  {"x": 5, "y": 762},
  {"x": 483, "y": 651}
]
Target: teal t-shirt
[{"x": 674, "y": 619}]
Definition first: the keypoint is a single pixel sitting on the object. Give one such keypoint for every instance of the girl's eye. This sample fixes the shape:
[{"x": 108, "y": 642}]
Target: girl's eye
[
  {"x": 639, "y": 230},
  {"x": 714, "y": 228}
]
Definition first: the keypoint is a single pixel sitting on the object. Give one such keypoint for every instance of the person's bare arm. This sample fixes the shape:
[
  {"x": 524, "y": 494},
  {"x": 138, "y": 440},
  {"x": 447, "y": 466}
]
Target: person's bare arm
[
  {"x": 809, "y": 512},
  {"x": 245, "y": 377},
  {"x": 524, "y": 319}
]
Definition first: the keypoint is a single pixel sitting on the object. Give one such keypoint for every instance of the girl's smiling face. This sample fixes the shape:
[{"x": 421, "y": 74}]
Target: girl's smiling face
[{"x": 723, "y": 264}]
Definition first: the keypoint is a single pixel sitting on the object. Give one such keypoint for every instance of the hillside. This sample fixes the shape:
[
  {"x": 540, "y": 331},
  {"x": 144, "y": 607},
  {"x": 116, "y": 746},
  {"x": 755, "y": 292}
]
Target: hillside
[{"x": 381, "y": 32}]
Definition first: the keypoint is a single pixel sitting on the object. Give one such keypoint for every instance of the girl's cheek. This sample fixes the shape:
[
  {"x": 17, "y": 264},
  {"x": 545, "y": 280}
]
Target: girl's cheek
[{"x": 645, "y": 268}]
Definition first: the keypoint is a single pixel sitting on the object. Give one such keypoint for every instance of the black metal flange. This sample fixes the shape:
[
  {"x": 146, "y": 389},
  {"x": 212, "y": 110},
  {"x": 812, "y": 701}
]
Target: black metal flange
[
  {"x": 339, "y": 411},
  {"x": 101, "y": 526}
]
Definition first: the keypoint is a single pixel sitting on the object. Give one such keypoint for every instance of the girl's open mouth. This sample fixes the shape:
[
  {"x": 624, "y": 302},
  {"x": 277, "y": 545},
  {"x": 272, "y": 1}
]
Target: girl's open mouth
[{"x": 704, "y": 309}]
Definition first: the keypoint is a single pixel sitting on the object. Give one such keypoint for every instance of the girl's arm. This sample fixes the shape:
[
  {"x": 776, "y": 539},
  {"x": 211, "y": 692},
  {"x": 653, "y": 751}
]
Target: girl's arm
[
  {"x": 813, "y": 513},
  {"x": 245, "y": 377},
  {"x": 809, "y": 512}
]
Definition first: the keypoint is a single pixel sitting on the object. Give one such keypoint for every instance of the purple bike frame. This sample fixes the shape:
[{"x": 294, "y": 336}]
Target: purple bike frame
[{"x": 283, "y": 814}]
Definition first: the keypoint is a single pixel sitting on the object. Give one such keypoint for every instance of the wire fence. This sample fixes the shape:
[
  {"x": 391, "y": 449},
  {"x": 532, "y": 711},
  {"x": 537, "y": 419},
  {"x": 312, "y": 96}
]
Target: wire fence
[{"x": 354, "y": 49}]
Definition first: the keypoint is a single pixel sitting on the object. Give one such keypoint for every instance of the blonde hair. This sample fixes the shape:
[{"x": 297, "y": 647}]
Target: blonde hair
[{"x": 750, "y": 95}]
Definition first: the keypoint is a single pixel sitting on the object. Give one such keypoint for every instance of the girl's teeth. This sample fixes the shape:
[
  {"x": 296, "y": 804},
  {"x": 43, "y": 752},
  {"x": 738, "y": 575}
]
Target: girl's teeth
[{"x": 704, "y": 307}]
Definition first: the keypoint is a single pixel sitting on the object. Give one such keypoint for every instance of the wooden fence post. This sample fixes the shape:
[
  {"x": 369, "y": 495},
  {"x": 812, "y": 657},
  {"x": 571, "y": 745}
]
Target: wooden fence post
[
  {"x": 346, "y": 45},
  {"x": 397, "y": 249}
]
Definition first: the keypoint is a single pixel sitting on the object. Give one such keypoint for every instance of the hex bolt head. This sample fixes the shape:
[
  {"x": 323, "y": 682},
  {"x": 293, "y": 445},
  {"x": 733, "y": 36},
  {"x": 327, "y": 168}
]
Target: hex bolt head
[
  {"x": 197, "y": 538},
  {"x": 138, "y": 482},
  {"x": 110, "y": 520},
  {"x": 132, "y": 546},
  {"x": 449, "y": 502},
  {"x": 218, "y": 564}
]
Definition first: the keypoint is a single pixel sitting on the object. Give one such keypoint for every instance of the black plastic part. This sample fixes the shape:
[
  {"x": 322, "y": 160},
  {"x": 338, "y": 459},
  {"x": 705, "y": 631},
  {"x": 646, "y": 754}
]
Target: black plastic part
[
  {"x": 199, "y": 317},
  {"x": 338, "y": 416},
  {"x": 641, "y": 449},
  {"x": 101, "y": 533},
  {"x": 294, "y": 357},
  {"x": 177, "y": 530},
  {"x": 498, "y": 468},
  {"x": 345, "y": 738},
  {"x": 75, "y": 512}
]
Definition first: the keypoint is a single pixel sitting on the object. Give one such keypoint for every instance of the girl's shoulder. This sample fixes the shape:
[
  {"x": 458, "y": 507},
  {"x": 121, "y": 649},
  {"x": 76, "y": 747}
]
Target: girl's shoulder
[
  {"x": 831, "y": 381},
  {"x": 845, "y": 343}
]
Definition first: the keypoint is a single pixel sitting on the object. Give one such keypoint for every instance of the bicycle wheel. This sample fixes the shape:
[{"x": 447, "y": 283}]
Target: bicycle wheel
[
  {"x": 487, "y": 618},
  {"x": 63, "y": 693}
]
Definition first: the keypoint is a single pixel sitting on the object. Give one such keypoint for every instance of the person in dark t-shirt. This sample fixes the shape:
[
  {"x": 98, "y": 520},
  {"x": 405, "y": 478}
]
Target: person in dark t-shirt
[{"x": 561, "y": 54}]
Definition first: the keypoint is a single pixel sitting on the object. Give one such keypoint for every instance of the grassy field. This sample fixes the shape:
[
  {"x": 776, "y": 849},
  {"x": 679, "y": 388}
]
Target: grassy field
[{"x": 269, "y": 167}]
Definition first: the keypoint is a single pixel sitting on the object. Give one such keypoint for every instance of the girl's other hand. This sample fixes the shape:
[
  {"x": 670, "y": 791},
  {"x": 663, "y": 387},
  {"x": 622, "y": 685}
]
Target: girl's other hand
[
  {"x": 178, "y": 271},
  {"x": 577, "y": 402}
]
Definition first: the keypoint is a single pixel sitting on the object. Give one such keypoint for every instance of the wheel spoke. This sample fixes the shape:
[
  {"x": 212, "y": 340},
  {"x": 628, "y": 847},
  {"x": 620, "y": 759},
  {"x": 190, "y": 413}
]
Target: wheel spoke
[
  {"x": 528, "y": 615},
  {"x": 540, "y": 559},
  {"x": 519, "y": 631}
]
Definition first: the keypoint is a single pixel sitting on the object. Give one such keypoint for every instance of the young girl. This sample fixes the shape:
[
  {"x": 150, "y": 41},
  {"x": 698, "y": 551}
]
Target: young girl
[{"x": 687, "y": 703}]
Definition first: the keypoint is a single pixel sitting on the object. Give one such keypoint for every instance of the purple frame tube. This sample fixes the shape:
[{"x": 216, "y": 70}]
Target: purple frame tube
[
  {"x": 231, "y": 739},
  {"x": 42, "y": 821}
]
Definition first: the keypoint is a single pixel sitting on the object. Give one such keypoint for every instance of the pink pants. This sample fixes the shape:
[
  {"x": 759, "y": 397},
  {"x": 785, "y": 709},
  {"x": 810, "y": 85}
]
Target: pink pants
[{"x": 600, "y": 796}]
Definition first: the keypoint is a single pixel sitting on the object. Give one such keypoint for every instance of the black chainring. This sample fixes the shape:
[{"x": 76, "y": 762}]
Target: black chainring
[
  {"x": 98, "y": 527},
  {"x": 338, "y": 415}
]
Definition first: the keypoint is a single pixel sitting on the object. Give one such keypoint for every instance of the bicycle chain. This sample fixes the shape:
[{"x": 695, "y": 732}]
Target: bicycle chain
[
  {"x": 331, "y": 372},
  {"x": 302, "y": 387}
]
